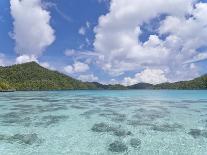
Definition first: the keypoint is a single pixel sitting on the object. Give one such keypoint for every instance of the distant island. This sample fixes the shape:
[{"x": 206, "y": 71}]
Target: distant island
[{"x": 33, "y": 77}]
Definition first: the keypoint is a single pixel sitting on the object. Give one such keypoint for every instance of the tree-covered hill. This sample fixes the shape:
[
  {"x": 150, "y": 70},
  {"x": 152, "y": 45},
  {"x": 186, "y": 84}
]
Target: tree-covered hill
[
  {"x": 4, "y": 86},
  {"x": 141, "y": 86},
  {"x": 197, "y": 83},
  {"x": 31, "y": 76}
]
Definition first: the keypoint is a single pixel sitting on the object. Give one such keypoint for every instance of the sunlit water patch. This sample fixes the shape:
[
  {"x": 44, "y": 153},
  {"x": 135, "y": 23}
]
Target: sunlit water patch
[{"x": 103, "y": 123}]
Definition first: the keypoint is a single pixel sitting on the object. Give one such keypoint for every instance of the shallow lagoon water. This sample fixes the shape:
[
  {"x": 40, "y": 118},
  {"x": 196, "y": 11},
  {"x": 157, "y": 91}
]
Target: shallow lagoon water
[{"x": 129, "y": 122}]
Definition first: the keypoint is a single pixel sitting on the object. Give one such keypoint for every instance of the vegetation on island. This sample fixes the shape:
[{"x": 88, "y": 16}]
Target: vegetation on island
[
  {"x": 4, "y": 86},
  {"x": 141, "y": 86},
  {"x": 32, "y": 76},
  {"x": 197, "y": 83}
]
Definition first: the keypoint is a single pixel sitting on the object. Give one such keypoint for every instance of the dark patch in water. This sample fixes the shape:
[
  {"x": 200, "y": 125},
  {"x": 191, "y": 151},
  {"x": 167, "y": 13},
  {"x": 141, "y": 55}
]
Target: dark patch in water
[
  {"x": 89, "y": 113},
  {"x": 196, "y": 133},
  {"x": 51, "y": 120},
  {"x": 135, "y": 143},
  {"x": 195, "y": 101},
  {"x": 14, "y": 118},
  {"x": 118, "y": 119},
  {"x": 78, "y": 107},
  {"x": 51, "y": 107},
  {"x": 22, "y": 114},
  {"x": 27, "y": 139},
  {"x": 122, "y": 133},
  {"x": 139, "y": 123},
  {"x": 102, "y": 127},
  {"x": 149, "y": 115},
  {"x": 117, "y": 146},
  {"x": 204, "y": 109},
  {"x": 113, "y": 115},
  {"x": 167, "y": 127},
  {"x": 42, "y": 99},
  {"x": 195, "y": 110},
  {"x": 31, "y": 109},
  {"x": 179, "y": 106},
  {"x": 115, "y": 130}
]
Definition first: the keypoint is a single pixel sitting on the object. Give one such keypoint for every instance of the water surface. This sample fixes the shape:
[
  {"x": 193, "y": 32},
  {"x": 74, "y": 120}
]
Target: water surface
[{"x": 131, "y": 122}]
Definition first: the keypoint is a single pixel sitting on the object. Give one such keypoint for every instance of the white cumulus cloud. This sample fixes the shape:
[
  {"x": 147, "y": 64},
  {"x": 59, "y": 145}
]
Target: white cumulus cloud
[
  {"x": 82, "y": 31},
  {"x": 182, "y": 29},
  {"x": 88, "y": 78},
  {"x": 25, "y": 58},
  {"x": 32, "y": 31},
  {"x": 153, "y": 76},
  {"x": 77, "y": 67}
]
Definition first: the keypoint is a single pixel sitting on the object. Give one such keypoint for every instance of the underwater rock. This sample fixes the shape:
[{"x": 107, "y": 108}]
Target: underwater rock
[
  {"x": 149, "y": 115},
  {"x": 195, "y": 133},
  {"x": 166, "y": 127},
  {"x": 118, "y": 119},
  {"x": 135, "y": 143},
  {"x": 89, "y": 113},
  {"x": 139, "y": 122},
  {"x": 204, "y": 133},
  {"x": 121, "y": 132},
  {"x": 51, "y": 107},
  {"x": 115, "y": 130},
  {"x": 51, "y": 119},
  {"x": 28, "y": 139},
  {"x": 3, "y": 137},
  {"x": 117, "y": 146},
  {"x": 179, "y": 106},
  {"x": 78, "y": 107},
  {"x": 14, "y": 118},
  {"x": 102, "y": 127}
]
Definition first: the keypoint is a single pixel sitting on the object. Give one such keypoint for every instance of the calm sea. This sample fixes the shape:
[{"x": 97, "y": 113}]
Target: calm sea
[{"x": 131, "y": 122}]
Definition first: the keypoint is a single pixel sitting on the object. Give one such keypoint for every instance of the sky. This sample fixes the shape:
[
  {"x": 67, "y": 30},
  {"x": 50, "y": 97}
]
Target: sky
[{"x": 107, "y": 41}]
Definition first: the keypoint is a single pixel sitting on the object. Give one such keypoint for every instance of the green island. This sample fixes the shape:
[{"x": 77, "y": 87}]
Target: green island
[{"x": 33, "y": 77}]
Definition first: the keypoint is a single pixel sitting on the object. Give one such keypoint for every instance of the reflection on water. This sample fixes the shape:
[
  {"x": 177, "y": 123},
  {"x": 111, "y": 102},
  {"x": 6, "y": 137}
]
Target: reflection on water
[{"x": 103, "y": 122}]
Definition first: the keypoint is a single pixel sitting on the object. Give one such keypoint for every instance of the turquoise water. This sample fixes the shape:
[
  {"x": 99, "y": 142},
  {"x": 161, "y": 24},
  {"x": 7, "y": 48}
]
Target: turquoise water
[{"x": 131, "y": 122}]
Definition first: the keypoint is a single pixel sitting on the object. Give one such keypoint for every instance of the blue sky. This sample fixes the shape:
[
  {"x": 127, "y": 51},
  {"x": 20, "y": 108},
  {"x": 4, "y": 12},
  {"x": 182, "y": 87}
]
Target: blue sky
[{"x": 110, "y": 41}]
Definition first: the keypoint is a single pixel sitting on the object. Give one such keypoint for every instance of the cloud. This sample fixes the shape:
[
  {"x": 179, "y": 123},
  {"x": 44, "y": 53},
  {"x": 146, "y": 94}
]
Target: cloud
[
  {"x": 47, "y": 65},
  {"x": 25, "y": 58},
  {"x": 47, "y": 4},
  {"x": 153, "y": 76},
  {"x": 199, "y": 57},
  {"x": 88, "y": 24},
  {"x": 68, "y": 69},
  {"x": 104, "y": 1},
  {"x": 88, "y": 78},
  {"x": 83, "y": 55},
  {"x": 82, "y": 31},
  {"x": 32, "y": 31},
  {"x": 77, "y": 67},
  {"x": 170, "y": 44}
]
